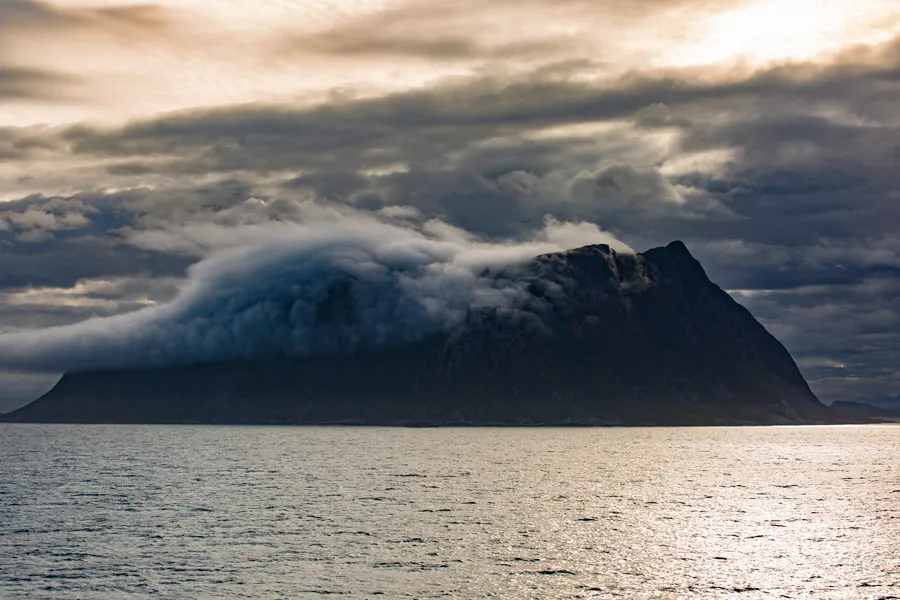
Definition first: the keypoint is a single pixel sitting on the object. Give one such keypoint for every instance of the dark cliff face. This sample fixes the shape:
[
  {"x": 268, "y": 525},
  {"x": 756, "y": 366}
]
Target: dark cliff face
[{"x": 601, "y": 338}]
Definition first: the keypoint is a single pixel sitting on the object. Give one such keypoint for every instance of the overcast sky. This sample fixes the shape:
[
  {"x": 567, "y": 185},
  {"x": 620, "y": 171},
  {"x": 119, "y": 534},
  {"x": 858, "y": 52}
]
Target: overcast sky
[{"x": 137, "y": 139}]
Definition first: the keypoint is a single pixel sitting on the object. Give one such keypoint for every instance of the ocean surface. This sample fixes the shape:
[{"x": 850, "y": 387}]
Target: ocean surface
[{"x": 295, "y": 512}]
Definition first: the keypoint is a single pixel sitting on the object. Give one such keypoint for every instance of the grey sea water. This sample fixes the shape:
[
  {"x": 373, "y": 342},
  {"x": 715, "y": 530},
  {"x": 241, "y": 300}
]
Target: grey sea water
[{"x": 254, "y": 512}]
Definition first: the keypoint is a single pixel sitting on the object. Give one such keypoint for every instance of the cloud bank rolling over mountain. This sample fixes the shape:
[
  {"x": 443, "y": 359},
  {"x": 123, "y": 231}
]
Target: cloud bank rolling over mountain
[{"x": 262, "y": 297}]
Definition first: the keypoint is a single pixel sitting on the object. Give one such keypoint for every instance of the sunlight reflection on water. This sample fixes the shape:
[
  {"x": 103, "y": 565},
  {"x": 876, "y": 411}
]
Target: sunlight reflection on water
[{"x": 252, "y": 512}]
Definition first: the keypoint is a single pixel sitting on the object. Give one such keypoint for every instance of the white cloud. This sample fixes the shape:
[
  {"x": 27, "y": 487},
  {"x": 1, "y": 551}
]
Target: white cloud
[{"x": 259, "y": 288}]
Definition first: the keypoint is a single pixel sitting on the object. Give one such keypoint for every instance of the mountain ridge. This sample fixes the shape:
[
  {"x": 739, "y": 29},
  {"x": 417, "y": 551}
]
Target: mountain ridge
[{"x": 601, "y": 338}]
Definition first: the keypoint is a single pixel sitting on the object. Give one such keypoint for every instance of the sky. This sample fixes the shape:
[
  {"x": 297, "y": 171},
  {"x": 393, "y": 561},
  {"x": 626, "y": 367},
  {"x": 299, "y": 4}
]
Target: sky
[{"x": 147, "y": 147}]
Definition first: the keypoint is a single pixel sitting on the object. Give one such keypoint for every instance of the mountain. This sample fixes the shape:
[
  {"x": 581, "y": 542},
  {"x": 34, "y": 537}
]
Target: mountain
[
  {"x": 600, "y": 338},
  {"x": 866, "y": 410},
  {"x": 887, "y": 401}
]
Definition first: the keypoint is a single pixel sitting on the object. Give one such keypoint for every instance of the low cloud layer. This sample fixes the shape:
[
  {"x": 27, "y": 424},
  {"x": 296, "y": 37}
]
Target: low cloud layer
[{"x": 261, "y": 293}]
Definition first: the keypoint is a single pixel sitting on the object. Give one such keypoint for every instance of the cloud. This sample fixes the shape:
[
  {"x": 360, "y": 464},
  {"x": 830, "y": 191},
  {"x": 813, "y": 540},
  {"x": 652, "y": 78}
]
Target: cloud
[
  {"x": 262, "y": 291},
  {"x": 37, "y": 224},
  {"x": 624, "y": 184},
  {"x": 30, "y": 16},
  {"x": 432, "y": 31},
  {"x": 111, "y": 295},
  {"x": 236, "y": 51},
  {"x": 782, "y": 180},
  {"x": 497, "y": 119},
  {"x": 20, "y": 83},
  {"x": 19, "y": 388},
  {"x": 843, "y": 335}
]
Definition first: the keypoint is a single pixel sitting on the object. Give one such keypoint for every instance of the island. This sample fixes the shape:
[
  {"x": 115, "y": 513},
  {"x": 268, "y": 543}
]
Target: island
[{"x": 601, "y": 338}]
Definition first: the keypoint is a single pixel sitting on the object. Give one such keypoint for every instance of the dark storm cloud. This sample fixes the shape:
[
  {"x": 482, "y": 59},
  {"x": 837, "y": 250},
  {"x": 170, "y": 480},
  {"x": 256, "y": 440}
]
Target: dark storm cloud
[
  {"x": 428, "y": 124},
  {"x": 62, "y": 263},
  {"x": 58, "y": 241},
  {"x": 512, "y": 203},
  {"x": 34, "y": 307},
  {"x": 424, "y": 128},
  {"x": 844, "y": 337},
  {"x": 377, "y": 131}
]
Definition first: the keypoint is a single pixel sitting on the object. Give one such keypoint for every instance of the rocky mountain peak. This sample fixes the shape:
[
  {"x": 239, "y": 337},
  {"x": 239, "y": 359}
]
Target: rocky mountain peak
[{"x": 600, "y": 337}]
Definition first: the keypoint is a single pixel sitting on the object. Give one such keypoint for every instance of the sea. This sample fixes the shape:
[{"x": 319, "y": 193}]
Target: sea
[{"x": 196, "y": 512}]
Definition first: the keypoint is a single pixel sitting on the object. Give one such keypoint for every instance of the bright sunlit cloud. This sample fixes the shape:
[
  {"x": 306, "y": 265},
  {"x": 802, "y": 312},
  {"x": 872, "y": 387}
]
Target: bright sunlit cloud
[
  {"x": 123, "y": 59},
  {"x": 763, "y": 31}
]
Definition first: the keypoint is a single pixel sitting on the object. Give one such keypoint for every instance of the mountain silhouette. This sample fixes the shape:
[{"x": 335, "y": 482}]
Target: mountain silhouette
[{"x": 602, "y": 338}]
